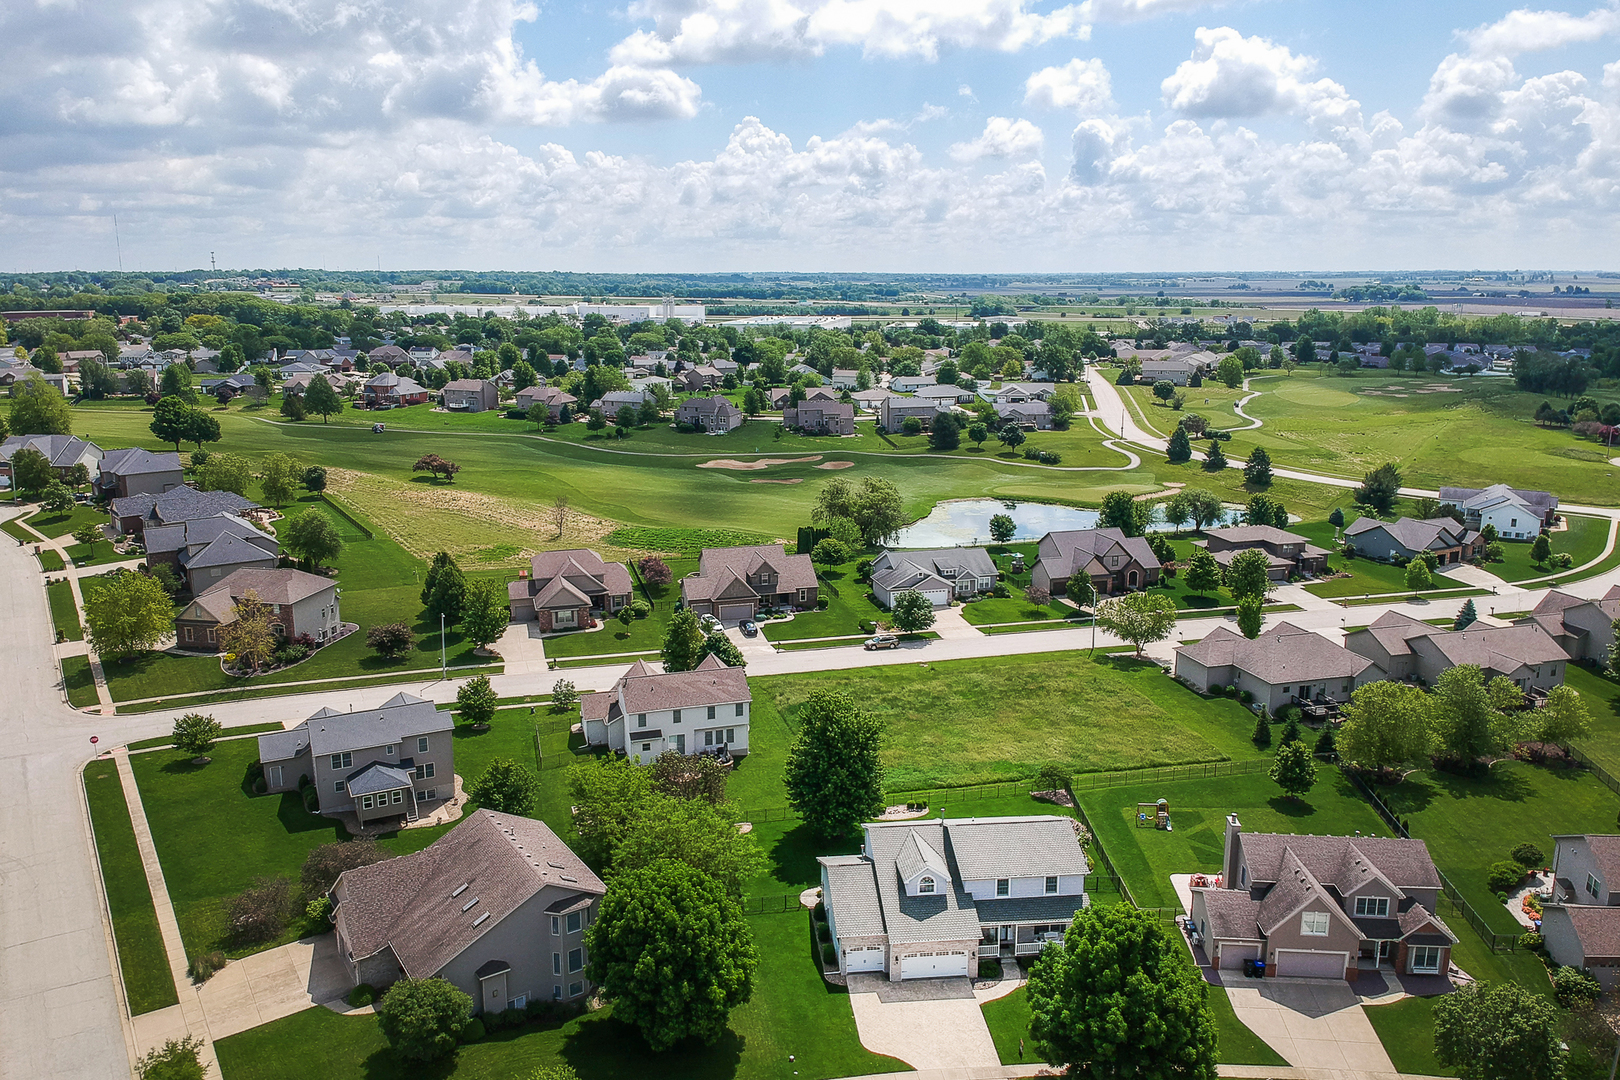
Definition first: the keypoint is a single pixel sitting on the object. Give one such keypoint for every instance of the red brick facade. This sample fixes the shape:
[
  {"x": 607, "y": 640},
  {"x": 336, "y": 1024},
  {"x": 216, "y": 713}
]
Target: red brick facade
[{"x": 582, "y": 619}]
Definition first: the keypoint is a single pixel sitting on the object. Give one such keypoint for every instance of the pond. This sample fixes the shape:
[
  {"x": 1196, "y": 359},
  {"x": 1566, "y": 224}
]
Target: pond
[{"x": 967, "y": 521}]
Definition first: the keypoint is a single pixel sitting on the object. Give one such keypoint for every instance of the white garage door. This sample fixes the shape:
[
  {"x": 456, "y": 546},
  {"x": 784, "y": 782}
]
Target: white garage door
[
  {"x": 864, "y": 958},
  {"x": 1232, "y": 955},
  {"x": 1310, "y": 965},
  {"x": 937, "y": 597},
  {"x": 933, "y": 965},
  {"x": 736, "y": 612}
]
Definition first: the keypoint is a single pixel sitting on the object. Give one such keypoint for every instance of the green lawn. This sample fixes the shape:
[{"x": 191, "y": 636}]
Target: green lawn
[
  {"x": 1015, "y": 609},
  {"x": 148, "y": 982},
  {"x": 1235, "y": 1043},
  {"x": 101, "y": 553},
  {"x": 54, "y": 525},
  {"x": 1406, "y": 1028},
  {"x": 64, "y": 612},
  {"x": 1583, "y": 540},
  {"x": 1601, "y": 695},
  {"x": 79, "y": 681},
  {"x": 1366, "y": 576},
  {"x": 1146, "y": 857},
  {"x": 1008, "y": 1021},
  {"x": 976, "y": 721},
  {"x": 50, "y": 561},
  {"x": 844, "y": 612},
  {"x": 642, "y": 635},
  {"x": 793, "y": 1012},
  {"x": 13, "y": 528},
  {"x": 1471, "y": 822}
]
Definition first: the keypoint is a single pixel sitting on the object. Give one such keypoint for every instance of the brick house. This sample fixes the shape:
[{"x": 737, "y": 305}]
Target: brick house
[
  {"x": 1116, "y": 563},
  {"x": 734, "y": 583},
  {"x": 565, "y": 590},
  {"x": 298, "y": 603}
]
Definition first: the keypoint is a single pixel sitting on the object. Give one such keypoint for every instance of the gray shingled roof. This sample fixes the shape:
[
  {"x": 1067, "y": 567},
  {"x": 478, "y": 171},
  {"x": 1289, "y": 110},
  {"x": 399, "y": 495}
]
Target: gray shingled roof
[
  {"x": 377, "y": 777},
  {"x": 330, "y": 732},
  {"x": 1415, "y": 534},
  {"x": 181, "y": 504},
  {"x": 988, "y": 848},
  {"x": 232, "y": 550},
  {"x": 1282, "y": 655},
  {"x": 134, "y": 461},
  {"x": 1230, "y": 913},
  {"x": 1058, "y": 909},
  {"x": 1596, "y": 927},
  {"x": 710, "y": 683},
  {"x": 947, "y": 915},
  {"x": 281, "y": 745},
  {"x": 853, "y": 897},
  {"x": 279, "y": 586},
  {"x": 968, "y": 561},
  {"x": 1405, "y": 863},
  {"x": 1068, "y": 550},
  {"x": 719, "y": 567}
]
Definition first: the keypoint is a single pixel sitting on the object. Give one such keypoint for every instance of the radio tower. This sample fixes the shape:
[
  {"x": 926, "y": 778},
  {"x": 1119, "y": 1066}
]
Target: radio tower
[{"x": 212, "y": 263}]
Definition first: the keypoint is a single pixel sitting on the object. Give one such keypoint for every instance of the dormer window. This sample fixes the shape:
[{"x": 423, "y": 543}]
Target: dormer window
[
  {"x": 925, "y": 885},
  {"x": 1375, "y": 906}
]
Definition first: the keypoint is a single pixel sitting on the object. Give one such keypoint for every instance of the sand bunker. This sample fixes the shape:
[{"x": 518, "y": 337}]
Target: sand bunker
[
  {"x": 836, "y": 465},
  {"x": 753, "y": 466},
  {"x": 759, "y": 481}
]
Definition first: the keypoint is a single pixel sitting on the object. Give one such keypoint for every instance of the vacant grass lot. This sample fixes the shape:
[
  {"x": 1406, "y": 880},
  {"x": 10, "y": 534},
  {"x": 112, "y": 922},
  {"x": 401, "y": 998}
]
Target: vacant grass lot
[
  {"x": 793, "y": 1012},
  {"x": 64, "y": 612},
  {"x": 843, "y": 615},
  {"x": 1146, "y": 857},
  {"x": 148, "y": 983},
  {"x": 975, "y": 721}
]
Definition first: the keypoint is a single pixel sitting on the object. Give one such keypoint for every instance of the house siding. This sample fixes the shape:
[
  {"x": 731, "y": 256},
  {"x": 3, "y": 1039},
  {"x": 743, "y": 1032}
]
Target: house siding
[
  {"x": 440, "y": 752},
  {"x": 524, "y": 940}
]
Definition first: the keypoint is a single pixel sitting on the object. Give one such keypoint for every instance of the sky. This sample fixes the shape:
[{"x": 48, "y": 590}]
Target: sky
[{"x": 953, "y": 136}]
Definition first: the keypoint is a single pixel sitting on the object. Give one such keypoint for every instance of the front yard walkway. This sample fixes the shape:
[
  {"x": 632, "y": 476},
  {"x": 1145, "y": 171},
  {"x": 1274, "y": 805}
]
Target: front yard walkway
[{"x": 927, "y": 1023}]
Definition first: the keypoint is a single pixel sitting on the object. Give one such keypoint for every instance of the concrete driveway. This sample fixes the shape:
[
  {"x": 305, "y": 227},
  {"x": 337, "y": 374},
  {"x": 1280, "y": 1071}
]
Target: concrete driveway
[
  {"x": 1312, "y": 1023},
  {"x": 269, "y": 985},
  {"x": 927, "y": 1023}
]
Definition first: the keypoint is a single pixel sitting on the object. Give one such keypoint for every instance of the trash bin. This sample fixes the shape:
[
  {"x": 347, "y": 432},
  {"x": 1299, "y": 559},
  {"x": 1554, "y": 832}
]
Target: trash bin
[
  {"x": 1248, "y": 967},
  {"x": 1259, "y": 969}
]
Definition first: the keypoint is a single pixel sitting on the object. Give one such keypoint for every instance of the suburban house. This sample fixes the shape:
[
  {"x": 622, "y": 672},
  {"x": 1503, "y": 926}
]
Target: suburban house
[
  {"x": 869, "y": 400},
  {"x": 946, "y": 395},
  {"x": 1323, "y": 907},
  {"x": 1287, "y": 554},
  {"x": 1115, "y": 562},
  {"x": 204, "y": 550},
  {"x": 893, "y": 412},
  {"x": 471, "y": 395},
  {"x": 1402, "y": 539},
  {"x": 611, "y": 402},
  {"x": 845, "y": 378},
  {"x": 388, "y": 389},
  {"x": 939, "y": 575},
  {"x": 552, "y": 398},
  {"x": 62, "y": 451},
  {"x": 702, "y": 711},
  {"x": 1282, "y": 666},
  {"x": 821, "y": 417},
  {"x": 1177, "y": 369},
  {"x": 1013, "y": 392},
  {"x": 391, "y": 355},
  {"x": 697, "y": 379},
  {"x": 1584, "y": 629},
  {"x": 1032, "y": 415},
  {"x": 565, "y": 589},
  {"x": 299, "y": 604},
  {"x": 137, "y": 472},
  {"x": 1406, "y": 648},
  {"x": 397, "y": 760},
  {"x": 497, "y": 906},
  {"x": 1516, "y": 514},
  {"x": 134, "y": 514},
  {"x": 1582, "y": 927},
  {"x": 713, "y": 414},
  {"x": 928, "y": 899},
  {"x": 734, "y": 583},
  {"x": 910, "y": 384}
]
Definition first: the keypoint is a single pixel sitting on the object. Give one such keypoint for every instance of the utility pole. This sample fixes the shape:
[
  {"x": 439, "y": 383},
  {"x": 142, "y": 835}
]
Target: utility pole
[
  {"x": 119, "y": 244},
  {"x": 444, "y": 663}
]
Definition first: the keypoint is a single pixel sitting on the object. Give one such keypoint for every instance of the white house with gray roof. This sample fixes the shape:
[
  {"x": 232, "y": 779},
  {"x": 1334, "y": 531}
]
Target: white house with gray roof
[
  {"x": 702, "y": 711},
  {"x": 939, "y": 575},
  {"x": 927, "y": 899},
  {"x": 396, "y": 760},
  {"x": 1516, "y": 513}
]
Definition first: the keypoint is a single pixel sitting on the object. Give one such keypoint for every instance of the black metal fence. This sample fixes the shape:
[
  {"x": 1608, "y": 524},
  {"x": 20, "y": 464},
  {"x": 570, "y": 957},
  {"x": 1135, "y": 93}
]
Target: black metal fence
[
  {"x": 770, "y": 905},
  {"x": 1597, "y": 770}
]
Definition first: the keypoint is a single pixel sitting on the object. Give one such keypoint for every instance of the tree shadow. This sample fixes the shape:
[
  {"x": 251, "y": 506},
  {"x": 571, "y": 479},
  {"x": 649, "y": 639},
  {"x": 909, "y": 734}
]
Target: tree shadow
[
  {"x": 601, "y": 1047},
  {"x": 793, "y": 857},
  {"x": 1290, "y": 807},
  {"x": 295, "y": 819}
]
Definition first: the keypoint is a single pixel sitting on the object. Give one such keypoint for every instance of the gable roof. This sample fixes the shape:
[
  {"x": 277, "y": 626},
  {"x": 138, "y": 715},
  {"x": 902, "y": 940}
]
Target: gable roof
[
  {"x": 1281, "y": 655},
  {"x": 1036, "y": 846},
  {"x": 181, "y": 504},
  {"x": 1297, "y": 888},
  {"x": 1073, "y": 549},
  {"x": 62, "y": 451},
  {"x": 1404, "y": 863},
  {"x": 721, "y": 570},
  {"x": 400, "y": 717},
  {"x": 1475, "y": 498},
  {"x": 416, "y": 905},
  {"x": 1499, "y": 648},
  {"x": 1605, "y": 850},
  {"x": 1415, "y": 534},
  {"x": 710, "y": 683},
  {"x": 1256, "y": 534},
  {"x": 229, "y": 549},
  {"x": 283, "y": 585},
  {"x": 1596, "y": 927}
]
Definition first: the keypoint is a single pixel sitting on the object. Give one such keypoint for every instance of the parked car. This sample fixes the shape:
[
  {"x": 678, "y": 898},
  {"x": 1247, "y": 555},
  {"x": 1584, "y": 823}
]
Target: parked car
[
  {"x": 749, "y": 629},
  {"x": 709, "y": 622},
  {"x": 882, "y": 641}
]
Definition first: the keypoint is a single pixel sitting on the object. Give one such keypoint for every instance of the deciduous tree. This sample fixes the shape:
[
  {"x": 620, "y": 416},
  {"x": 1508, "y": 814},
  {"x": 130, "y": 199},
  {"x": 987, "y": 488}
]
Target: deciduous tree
[
  {"x": 654, "y": 571},
  {"x": 278, "y": 479},
  {"x": 250, "y": 636},
  {"x": 834, "y": 771},
  {"x": 1418, "y": 577},
  {"x": 391, "y": 640},
  {"x": 487, "y": 612},
  {"x": 176, "y": 382},
  {"x": 56, "y": 498},
  {"x": 1120, "y": 510},
  {"x": 320, "y": 398},
  {"x": 1387, "y": 724},
  {"x": 125, "y": 613},
  {"x": 1002, "y": 528},
  {"x": 89, "y": 536},
  {"x": 697, "y": 832},
  {"x": 1138, "y": 618},
  {"x": 1203, "y": 573},
  {"x": 1498, "y": 1031},
  {"x": 38, "y": 408},
  {"x": 1564, "y": 718},
  {"x": 1250, "y": 616},
  {"x": 195, "y": 734},
  {"x": 506, "y": 787},
  {"x": 422, "y": 1018},
  {"x": 912, "y": 612},
  {"x": 722, "y": 648},
  {"x": 1249, "y": 575},
  {"x": 475, "y": 702},
  {"x": 225, "y": 472},
  {"x": 683, "y": 646},
  {"x": 311, "y": 537},
  {"x": 1294, "y": 768}
]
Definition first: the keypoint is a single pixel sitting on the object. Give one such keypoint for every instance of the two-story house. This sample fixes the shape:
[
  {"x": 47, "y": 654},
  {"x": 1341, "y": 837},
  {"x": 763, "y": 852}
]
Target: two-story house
[
  {"x": 133, "y": 471},
  {"x": 1584, "y": 629},
  {"x": 733, "y": 584},
  {"x": 298, "y": 604},
  {"x": 564, "y": 589},
  {"x": 1516, "y": 514},
  {"x": 386, "y": 390},
  {"x": 716, "y": 415},
  {"x": 1581, "y": 928},
  {"x": 554, "y": 399},
  {"x": 204, "y": 551},
  {"x": 397, "y": 760},
  {"x": 1406, "y": 648},
  {"x": 1400, "y": 540},
  {"x": 927, "y": 899},
  {"x": 939, "y": 575},
  {"x": 1322, "y": 907},
  {"x": 1286, "y": 553},
  {"x": 134, "y": 514},
  {"x": 893, "y": 412},
  {"x": 820, "y": 417},
  {"x": 471, "y": 395},
  {"x": 497, "y": 906},
  {"x": 1116, "y": 563},
  {"x": 62, "y": 452},
  {"x": 702, "y": 711}
]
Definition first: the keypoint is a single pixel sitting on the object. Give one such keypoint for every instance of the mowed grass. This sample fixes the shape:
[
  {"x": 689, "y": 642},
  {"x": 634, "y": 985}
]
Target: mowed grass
[
  {"x": 1146, "y": 857},
  {"x": 148, "y": 982},
  {"x": 977, "y": 721},
  {"x": 1406, "y": 1028},
  {"x": 64, "y": 612},
  {"x": 793, "y": 1012},
  {"x": 1366, "y": 576},
  {"x": 55, "y": 525},
  {"x": 1583, "y": 540},
  {"x": 79, "y": 681},
  {"x": 1600, "y": 694}
]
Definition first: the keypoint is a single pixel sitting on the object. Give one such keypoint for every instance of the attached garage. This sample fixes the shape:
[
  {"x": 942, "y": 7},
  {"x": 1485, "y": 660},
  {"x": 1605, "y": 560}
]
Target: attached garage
[
  {"x": 863, "y": 958},
  {"x": 1232, "y": 954},
  {"x": 736, "y": 612},
  {"x": 933, "y": 965},
  {"x": 1298, "y": 964}
]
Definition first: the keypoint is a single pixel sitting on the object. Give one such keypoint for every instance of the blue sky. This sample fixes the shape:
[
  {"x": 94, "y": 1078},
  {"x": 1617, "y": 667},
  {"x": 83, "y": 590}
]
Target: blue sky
[{"x": 955, "y": 135}]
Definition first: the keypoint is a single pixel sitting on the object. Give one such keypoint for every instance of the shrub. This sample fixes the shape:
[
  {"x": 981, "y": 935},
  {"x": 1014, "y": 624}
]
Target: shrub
[
  {"x": 259, "y": 786},
  {"x": 829, "y": 955},
  {"x": 1528, "y": 856},
  {"x": 1290, "y": 713},
  {"x": 323, "y": 865},
  {"x": 203, "y": 966},
  {"x": 472, "y": 1031},
  {"x": 1573, "y": 987},
  {"x": 821, "y": 603},
  {"x": 1054, "y": 777},
  {"x": 391, "y": 641},
  {"x": 319, "y": 911},
  {"x": 819, "y": 912},
  {"x": 1504, "y": 877},
  {"x": 990, "y": 969},
  {"x": 177, "y": 1059},
  {"x": 1532, "y": 942},
  {"x": 362, "y": 995},
  {"x": 290, "y": 654},
  {"x": 640, "y": 608},
  {"x": 1245, "y": 697},
  {"x": 259, "y": 912},
  {"x": 421, "y": 1018},
  {"x": 1262, "y": 731}
]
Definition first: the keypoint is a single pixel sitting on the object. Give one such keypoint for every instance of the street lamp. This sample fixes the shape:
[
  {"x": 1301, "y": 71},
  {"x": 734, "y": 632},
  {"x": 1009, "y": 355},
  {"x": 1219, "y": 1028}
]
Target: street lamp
[{"x": 444, "y": 663}]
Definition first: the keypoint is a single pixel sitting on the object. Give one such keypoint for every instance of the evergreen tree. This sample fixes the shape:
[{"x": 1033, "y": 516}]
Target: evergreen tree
[
  {"x": 1257, "y": 470},
  {"x": 1262, "y": 730},
  {"x": 1466, "y": 616},
  {"x": 1180, "y": 449},
  {"x": 1215, "y": 459}
]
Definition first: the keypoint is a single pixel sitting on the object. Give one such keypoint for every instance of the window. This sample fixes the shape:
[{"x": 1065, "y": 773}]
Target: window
[
  {"x": 337, "y": 786},
  {"x": 1424, "y": 958},
  {"x": 188, "y": 634},
  {"x": 1593, "y": 886},
  {"x": 1314, "y": 924},
  {"x": 1372, "y": 905},
  {"x": 1051, "y": 884},
  {"x": 342, "y": 761},
  {"x": 389, "y": 749},
  {"x": 646, "y": 748},
  {"x": 556, "y": 991},
  {"x": 641, "y": 719},
  {"x": 1003, "y": 887},
  {"x": 421, "y": 745},
  {"x": 575, "y": 989},
  {"x": 1243, "y": 875},
  {"x": 573, "y": 922},
  {"x": 556, "y": 925},
  {"x": 731, "y": 735},
  {"x": 425, "y": 772},
  {"x": 1288, "y": 689},
  {"x": 210, "y": 633},
  {"x": 556, "y": 963},
  {"x": 399, "y": 796},
  {"x": 365, "y": 802},
  {"x": 677, "y": 716},
  {"x": 576, "y": 960},
  {"x": 708, "y": 738},
  {"x": 926, "y": 885},
  {"x": 739, "y": 708},
  {"x": 711, "y": 712}
]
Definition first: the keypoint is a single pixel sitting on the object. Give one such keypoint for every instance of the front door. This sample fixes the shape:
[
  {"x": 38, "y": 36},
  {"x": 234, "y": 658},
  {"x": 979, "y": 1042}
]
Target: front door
[
  {"x": 1007, "y": 935},
  {"x": 1385, "y": 948},
  {"x": 678, "y": 743}
]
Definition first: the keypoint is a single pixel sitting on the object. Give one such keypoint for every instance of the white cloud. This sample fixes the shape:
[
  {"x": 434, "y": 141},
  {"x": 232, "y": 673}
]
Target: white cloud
[
  {"x": 966, "y": 91},
  {"x": 1525, "y": 31},
  {"x": 1002, "y": 137},
  {"x": 1131, "y": 10},
  {"x": 1082, "y": 86},
  {"x": 1230, "y": 75}
]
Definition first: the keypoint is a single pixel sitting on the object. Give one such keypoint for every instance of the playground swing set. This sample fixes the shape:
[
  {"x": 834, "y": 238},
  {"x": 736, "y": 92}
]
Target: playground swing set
[{"x": 1156, "y": 814}]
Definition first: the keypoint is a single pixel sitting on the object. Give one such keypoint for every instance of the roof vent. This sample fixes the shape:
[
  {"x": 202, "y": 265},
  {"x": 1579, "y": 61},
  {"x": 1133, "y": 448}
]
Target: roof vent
[
  {"x": 469, "y": 904},
  {"x": 459, "y": 890},
  {"x": 480, "y": 920},
  {"x": 565, "y": 877}
]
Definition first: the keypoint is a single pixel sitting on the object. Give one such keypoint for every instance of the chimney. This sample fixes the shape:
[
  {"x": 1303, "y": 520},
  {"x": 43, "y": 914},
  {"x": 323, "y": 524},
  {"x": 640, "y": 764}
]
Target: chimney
[{"x": 1229, "y": 858}]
